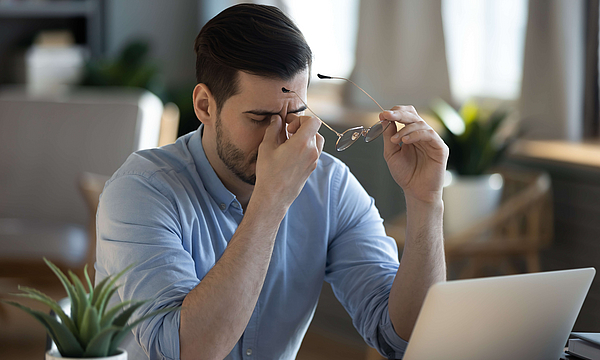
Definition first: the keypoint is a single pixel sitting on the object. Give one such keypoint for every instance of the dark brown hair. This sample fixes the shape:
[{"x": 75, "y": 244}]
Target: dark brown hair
[{"x": 256, "y": 39}]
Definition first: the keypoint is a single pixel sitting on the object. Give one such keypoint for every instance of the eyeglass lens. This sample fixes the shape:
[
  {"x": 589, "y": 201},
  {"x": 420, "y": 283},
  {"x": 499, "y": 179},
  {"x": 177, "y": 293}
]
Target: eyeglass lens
[{"x": 350, "y": 136}]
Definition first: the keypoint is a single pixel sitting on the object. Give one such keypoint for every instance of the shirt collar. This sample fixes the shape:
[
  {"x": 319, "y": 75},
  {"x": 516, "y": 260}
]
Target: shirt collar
[{"x": 213, "y": 185}]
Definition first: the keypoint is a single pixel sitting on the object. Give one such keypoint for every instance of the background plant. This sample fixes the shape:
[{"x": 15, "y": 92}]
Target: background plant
[
  {"x": 91, "y": 329},
  {"x": 477, "y": 136},
  {"x": 133, "y": 66}
]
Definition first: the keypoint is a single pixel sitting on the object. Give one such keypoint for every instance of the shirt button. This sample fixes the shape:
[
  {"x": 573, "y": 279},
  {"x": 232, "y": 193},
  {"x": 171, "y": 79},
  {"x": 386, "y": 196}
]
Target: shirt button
[
  {"x": 223, "y": 206},
  {"x": 249, "y": 352},
  {"x": 236, "y": 205}
]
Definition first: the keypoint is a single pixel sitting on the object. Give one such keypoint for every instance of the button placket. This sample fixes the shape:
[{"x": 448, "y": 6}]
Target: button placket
[{"x": 249, "y": 342}]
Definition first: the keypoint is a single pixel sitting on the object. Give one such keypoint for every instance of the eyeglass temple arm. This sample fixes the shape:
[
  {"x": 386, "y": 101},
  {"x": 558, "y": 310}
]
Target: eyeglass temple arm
[
  {"x": 320, "y": 76},
  {"x": 305, "y": 104}
]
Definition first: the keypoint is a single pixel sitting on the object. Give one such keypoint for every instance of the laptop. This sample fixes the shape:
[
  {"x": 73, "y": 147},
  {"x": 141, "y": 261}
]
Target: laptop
[{"x": 514, "y": 317}]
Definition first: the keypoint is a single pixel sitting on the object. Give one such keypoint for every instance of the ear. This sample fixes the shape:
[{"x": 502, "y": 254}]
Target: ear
[{"x": 204, "y": 103}]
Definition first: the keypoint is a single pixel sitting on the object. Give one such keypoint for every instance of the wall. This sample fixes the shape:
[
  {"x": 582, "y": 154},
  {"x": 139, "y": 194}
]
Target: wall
[
  {"x": 576, "y": 244},
  {"x": 170, "y": 26}
]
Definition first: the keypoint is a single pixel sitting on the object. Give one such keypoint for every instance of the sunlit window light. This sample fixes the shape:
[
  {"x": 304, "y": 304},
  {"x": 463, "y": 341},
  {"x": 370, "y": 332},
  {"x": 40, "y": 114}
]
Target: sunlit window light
[
  {"x": 330, "y": 28},
  {"x": 484, "y": 47}
]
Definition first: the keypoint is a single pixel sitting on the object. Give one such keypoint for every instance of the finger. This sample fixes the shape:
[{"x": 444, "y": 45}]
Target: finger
[
  {"x": 389, "y": 146},
  {"x": 396, "y": 138},
  {"x": 426, "y": 135},
  {"x": 401, "y": 116},
  {"x": 294, "y": 121},
  {"x": 272, "y": 137},
  {"x": 320, "y": 142},
  {"x": 307, "y": 128},
  {"x": 406, "y": 108}
]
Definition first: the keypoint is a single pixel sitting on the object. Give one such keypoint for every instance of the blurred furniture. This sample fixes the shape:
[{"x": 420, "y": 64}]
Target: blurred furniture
[
  {"x": 91, "y": 186},
  {"x": 574, "y": 168},
  {"x": 510, "y": 238},
  {"x": 21, "y": 21},
  {"x": 169, "y": 124},
  {"x": 46, "y": 146}
]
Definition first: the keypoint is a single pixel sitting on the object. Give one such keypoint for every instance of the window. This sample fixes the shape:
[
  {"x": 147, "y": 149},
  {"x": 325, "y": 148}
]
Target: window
[
  {"x": 330, "y": 28},
  {"x": 484, "y": 47}
]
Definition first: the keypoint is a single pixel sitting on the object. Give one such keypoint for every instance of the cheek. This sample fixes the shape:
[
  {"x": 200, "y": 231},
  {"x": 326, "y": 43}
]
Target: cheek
[
  {"x": 257, "y": 137},
  {"x": 250, "y": 140}
]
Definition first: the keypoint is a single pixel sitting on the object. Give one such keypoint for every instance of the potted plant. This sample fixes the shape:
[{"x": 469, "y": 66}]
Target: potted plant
[
  {"x": 91, "y": 329},
  {"x": 478, "y": 137}
]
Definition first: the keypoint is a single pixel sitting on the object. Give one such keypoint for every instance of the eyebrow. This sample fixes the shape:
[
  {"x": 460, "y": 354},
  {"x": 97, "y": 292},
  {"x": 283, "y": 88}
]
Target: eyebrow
[{"x": 271, "y": 113}]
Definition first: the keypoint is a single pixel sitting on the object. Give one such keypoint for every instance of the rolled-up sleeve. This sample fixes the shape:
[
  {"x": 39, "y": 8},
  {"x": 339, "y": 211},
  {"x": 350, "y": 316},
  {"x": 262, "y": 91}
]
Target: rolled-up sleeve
[
  {"x": 138, "y": 223},
  {"x": 361, "y": 266}
]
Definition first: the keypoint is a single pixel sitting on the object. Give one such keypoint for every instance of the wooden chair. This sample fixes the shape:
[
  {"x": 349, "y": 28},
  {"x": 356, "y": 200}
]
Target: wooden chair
[{"x": 515, "y": 233}]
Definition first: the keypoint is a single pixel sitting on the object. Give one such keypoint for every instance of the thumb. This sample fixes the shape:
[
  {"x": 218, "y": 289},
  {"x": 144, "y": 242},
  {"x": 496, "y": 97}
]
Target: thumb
[{"x": 272, "y": 134}]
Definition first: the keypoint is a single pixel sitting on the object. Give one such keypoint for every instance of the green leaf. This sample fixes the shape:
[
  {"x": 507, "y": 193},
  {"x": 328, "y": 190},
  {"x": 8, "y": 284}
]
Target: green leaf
[
  {"x": 122, "y": 319},
  {"x": 449, "y": 117},
  {"x": 90, "y": 326},
  {"x": 99, "y": 346},
  {"x": 105, "y": 303},
  {"x": 98, "y": 291},
  {"x": 469, "y": 112},
  {"x": 65, "y": 341},
  {"x": 106, "y": 291},
  {"x": 45, "y": 299},
  {"x": 108, "y": 317},
  {"x": 82, "y": 299},
  {"x": 71, "y": 293},
  {"x": 89, "y": 282}
]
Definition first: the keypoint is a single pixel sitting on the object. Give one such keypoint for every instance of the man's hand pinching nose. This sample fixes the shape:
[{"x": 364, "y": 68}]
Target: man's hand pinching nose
[{"x": 294, "y": 122}]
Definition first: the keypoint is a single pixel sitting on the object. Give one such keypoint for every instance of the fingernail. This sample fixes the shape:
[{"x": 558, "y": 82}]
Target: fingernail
[
  {"x": 406, "y": 137},
  {"x": 397, "y": 136}
]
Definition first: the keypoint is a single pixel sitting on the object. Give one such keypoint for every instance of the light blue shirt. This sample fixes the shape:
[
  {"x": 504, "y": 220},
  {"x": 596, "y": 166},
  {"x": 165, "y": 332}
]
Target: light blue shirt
[{"x": 167, "y": 211}]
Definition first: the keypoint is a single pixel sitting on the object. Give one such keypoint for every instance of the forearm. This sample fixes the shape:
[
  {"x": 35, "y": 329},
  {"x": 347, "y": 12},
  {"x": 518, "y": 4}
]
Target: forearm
[
  {"x": 217, "y": 311},
  {"x": 422, "y": 264}
]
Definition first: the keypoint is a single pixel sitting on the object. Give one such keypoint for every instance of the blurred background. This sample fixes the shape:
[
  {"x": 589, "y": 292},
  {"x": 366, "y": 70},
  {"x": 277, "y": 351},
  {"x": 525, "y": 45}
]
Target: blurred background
[{"x": 511, "y": 85}]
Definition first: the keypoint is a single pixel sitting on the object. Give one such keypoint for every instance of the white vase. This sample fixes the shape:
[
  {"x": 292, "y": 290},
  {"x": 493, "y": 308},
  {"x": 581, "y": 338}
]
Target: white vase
[
  {"x": 55, "y": 355},
  {"x": 469, "y": 199}
]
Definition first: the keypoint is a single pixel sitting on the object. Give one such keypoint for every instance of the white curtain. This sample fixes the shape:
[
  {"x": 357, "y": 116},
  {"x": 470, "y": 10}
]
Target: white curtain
[
  {"x": 400, "y": 54},
  {"x": 551, "y": 104}
]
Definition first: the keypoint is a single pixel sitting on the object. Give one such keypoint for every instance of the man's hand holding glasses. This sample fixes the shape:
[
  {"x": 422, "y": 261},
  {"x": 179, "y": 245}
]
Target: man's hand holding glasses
[{"x": 416, "y": 155}]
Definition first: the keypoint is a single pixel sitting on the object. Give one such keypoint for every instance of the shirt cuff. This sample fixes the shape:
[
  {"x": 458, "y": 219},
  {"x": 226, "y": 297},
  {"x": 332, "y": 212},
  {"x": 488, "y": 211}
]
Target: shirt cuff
[
  {"x": 396, "y": 346},
  {"x": 168, "y": 337}
]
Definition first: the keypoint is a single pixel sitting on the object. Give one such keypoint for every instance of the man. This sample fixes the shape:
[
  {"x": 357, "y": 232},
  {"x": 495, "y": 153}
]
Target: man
[{"x": 242, "y": 220}]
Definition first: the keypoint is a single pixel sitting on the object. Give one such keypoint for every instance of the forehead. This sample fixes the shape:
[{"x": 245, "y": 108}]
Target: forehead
[{"x": 258, "y": 90}]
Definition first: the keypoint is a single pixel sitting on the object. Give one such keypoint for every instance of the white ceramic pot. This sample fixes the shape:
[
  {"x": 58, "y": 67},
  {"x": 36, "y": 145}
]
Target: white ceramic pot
[
  {"x": 469, "y": 199},
  {"x": 55, "y": 355}
]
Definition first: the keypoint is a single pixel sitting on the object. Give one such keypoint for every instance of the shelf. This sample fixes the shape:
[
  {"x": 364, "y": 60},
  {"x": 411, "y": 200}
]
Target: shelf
[
  {"x": 47, "y": 9},
  {"x": 586, "y": 154}
]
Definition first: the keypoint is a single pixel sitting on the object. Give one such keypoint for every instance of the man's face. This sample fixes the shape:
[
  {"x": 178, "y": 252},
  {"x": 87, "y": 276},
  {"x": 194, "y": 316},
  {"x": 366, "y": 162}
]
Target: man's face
[{"x": 241, "y": 124}]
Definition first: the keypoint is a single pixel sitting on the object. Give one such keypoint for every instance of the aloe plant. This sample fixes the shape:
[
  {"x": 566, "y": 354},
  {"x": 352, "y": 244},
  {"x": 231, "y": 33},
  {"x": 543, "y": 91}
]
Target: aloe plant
[
  {"x": 92, "y": 329},
  {"x": 477, "y": 137}
]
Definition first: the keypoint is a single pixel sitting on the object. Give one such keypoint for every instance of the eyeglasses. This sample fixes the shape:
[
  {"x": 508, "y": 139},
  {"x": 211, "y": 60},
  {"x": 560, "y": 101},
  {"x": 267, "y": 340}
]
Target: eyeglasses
[{"x": 349, "y": 137}]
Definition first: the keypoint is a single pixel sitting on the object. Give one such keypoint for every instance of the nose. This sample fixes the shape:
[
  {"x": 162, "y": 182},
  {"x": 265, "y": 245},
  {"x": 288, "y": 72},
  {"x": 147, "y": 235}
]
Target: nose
[
  {"x": 283, "y": 113},
  {"x": 284, "y": 135}
]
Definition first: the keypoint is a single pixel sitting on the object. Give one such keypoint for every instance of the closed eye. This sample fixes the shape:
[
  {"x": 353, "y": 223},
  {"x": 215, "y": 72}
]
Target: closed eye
[
  {"x": 261, "y": 120},
  {"x": 260, "y": 116}
]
